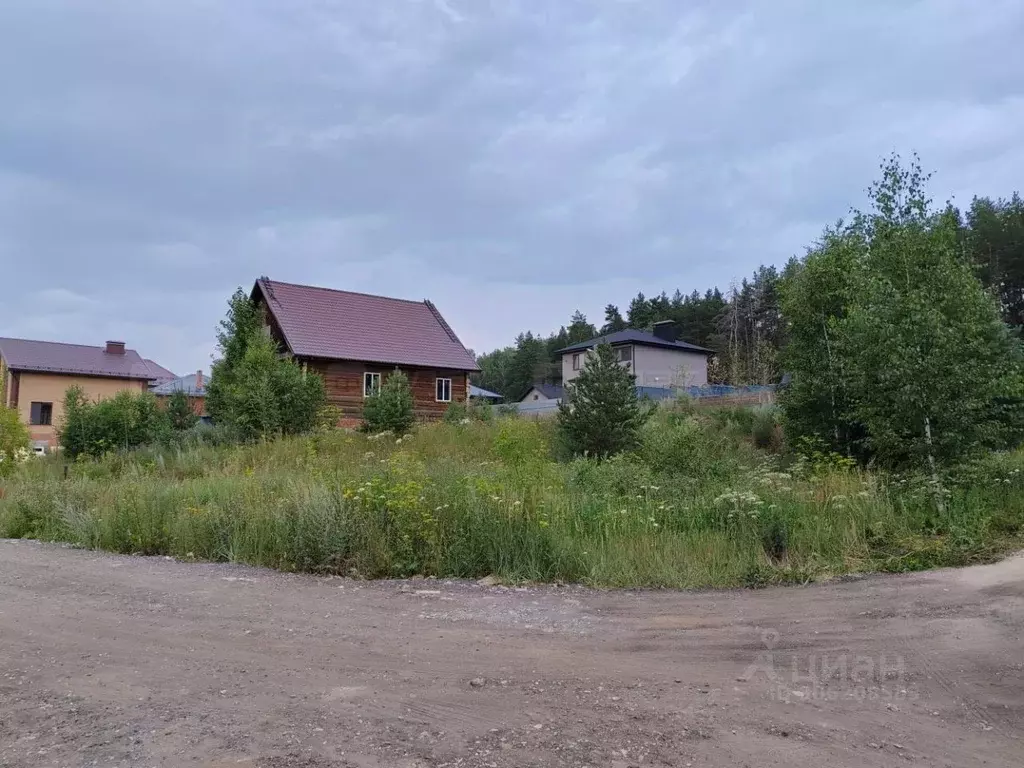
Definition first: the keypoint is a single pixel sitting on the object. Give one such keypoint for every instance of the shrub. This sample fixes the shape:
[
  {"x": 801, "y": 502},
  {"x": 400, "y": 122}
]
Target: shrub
[
  {"x": 124, "y": 421},
  {"x": 482, "y": 410},
  {"x": 14, "y": 441},
  {"x": 180, "y": 411},
  {"x": 328, "y": 417},
  {"x": 766, "y": 428},
  {"x": 508, "y": 411},
  {"x": 601, "y": 415},
  {"x": 390, "y": 409},
  {"x": 456, "y": 413},
  {"x": 520, "y": 442},
  {"x": 676, "y": 447}
]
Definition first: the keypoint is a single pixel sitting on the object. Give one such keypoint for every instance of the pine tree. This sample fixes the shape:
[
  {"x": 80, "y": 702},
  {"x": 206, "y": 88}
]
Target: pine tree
[
  {"x": 613, "y": 320},
  {"x": 391, "y": 408},
  {"x": 601, "y": 414}
]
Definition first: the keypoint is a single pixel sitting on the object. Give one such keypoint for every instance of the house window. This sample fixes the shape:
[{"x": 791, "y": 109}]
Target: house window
[
  {"x": 444, "y": 390},
  {"x": 576, "y": 361},
  {"x": 536, "y": 397},
  {"x": 624, "y": 354},
  {"x": 371, "y": 384},
  {"x": 41, "y": 414}
]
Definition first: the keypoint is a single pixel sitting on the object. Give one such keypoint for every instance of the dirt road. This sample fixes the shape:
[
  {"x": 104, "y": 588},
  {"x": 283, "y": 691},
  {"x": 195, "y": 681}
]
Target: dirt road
[{"x": 126, "y": 661}]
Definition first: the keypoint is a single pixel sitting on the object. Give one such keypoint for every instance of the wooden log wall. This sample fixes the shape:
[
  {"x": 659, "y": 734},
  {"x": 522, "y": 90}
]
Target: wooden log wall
[{"x": 343, "y": 382}]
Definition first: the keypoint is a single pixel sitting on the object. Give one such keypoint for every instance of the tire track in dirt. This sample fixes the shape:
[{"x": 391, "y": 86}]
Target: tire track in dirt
[{"x": 147, "y": 661}]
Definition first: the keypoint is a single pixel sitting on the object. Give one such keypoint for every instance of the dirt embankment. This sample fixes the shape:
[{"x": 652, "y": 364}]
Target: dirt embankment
[{"x": 120, "y": 661}]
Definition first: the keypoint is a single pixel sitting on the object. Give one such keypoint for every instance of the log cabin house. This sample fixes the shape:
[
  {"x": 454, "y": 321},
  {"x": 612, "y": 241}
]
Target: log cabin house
[{"x": 354, "y": 340}]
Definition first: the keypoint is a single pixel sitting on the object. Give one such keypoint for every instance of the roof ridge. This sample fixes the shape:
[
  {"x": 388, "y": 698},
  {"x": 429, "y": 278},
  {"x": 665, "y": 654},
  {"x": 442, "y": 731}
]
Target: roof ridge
[
  {"x": 342, "y": 290},
  {"x": 64, "y": 344},
  {"x": 443, "y": 323}
]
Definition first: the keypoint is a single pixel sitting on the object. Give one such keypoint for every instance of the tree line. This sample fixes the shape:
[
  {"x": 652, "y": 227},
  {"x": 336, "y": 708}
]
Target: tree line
[
  {"x": 745, "y": 325},
  {"x": 900, "y": 339}
]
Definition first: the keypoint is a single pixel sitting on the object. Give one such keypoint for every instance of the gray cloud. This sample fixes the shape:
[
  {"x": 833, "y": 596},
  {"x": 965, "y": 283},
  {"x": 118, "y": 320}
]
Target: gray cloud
[{"x": 511, "y": 160}]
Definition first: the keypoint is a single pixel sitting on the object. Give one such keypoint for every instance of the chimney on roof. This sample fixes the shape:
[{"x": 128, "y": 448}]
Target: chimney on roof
[
  {"x": 199, "y": 380},
  {"x": 666, "y": 330},
  {"x": 115, "y": 348}
]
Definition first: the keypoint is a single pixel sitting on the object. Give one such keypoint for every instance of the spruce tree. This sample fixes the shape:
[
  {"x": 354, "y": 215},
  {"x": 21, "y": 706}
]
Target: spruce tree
[
  {"x": 601, "y": 414},
  {"x": 391, "y": 408}
]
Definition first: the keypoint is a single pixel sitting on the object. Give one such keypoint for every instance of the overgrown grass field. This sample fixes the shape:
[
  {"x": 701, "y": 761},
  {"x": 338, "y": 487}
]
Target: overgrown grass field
[{"x": 699, "y": 504}]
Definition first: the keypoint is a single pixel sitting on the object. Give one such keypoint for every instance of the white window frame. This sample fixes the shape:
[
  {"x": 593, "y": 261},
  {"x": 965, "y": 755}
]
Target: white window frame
[
  {"x": 439, "y": 386},
  {"x": 374, "y": 379},
  {"x": 618, "y": 353},
  {"x": 576, "y": 361}
]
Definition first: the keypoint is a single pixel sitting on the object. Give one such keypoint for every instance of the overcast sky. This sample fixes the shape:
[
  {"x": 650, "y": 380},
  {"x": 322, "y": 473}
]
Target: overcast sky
[{"x": 512, "y": 160}]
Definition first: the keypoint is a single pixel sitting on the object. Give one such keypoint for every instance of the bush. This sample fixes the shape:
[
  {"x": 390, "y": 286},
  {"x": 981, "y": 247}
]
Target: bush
[
  {"x": 328, "y": 417},
  {"x": 14, "y": 441},
  {"x": 390, "y": 409},
  {"x": 124, "y": 421},
  {"x": 456, "y": 413},
  {"x": 180, "y": 411},
  {"x": 508, "y": 411},
  {"x": 766, "y": 428},
  {"x": 477, "y": 410},
  {"x": 685, "y": 446},
  {"x": 482, "y": 410}
]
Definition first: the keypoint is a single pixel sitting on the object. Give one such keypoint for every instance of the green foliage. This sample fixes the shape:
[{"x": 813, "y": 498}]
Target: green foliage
[
  {"x": 929, "y": 353},
  {"x": 14, "y": 441},
  {"x": 520, "y": 443},
  {"x": 461, "y": 413},
  {"x": 391, "y": 408},
  {"x": 254, "y": 389},
  {"x": 766, "y": 429},
  {"x": 994, "y": 237},
  {"x": 180, "y": 411},
  {"x": 508, "y": 411},
  {"x": 456, "y": 413},
  {"x": 695, "y": 506},
  {"x": 125, "y": 421},
  {"x": 815, "y": 297},
  {"x": 897, "y": 351},
  {"x": 613, "y": 320},
  {"x": 482, "y": 410},
  {"x": 328, "y": 417},
  {"x": 601, "y": 415},
  {"x": 241, "y": 324}
]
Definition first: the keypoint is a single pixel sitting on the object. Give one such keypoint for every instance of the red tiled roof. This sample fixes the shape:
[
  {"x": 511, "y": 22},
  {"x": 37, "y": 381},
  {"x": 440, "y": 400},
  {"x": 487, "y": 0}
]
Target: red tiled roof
[
  {"x": 341, "y": 325},
  {"x": 54, "y": 357}
]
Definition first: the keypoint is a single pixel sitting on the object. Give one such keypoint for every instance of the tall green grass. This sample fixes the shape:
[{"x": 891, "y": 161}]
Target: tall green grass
[{"x": 699, "y": 504}]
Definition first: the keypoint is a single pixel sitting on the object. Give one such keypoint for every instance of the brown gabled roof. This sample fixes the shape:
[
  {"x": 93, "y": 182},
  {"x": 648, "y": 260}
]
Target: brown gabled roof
[
  {"x": 54, "y": 357},
  {"x": 160, "y": 373},
  {"x": 342, "y": 325}
]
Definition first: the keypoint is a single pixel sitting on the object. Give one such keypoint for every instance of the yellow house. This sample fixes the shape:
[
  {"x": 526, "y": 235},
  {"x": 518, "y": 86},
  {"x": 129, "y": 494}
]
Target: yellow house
[{"x": 34, "y": 375}]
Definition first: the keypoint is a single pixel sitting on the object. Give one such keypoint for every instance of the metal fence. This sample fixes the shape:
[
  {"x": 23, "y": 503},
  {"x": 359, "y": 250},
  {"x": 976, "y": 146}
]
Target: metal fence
[{"x": 710, "y": 395}]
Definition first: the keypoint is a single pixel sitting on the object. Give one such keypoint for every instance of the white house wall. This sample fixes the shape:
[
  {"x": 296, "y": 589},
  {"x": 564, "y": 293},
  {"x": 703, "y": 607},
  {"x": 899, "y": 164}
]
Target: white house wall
[{"x": 656, "y": 367}]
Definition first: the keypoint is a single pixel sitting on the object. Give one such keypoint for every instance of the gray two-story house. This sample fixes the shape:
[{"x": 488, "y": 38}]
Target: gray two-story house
[{"x": 657, "y": 359}]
